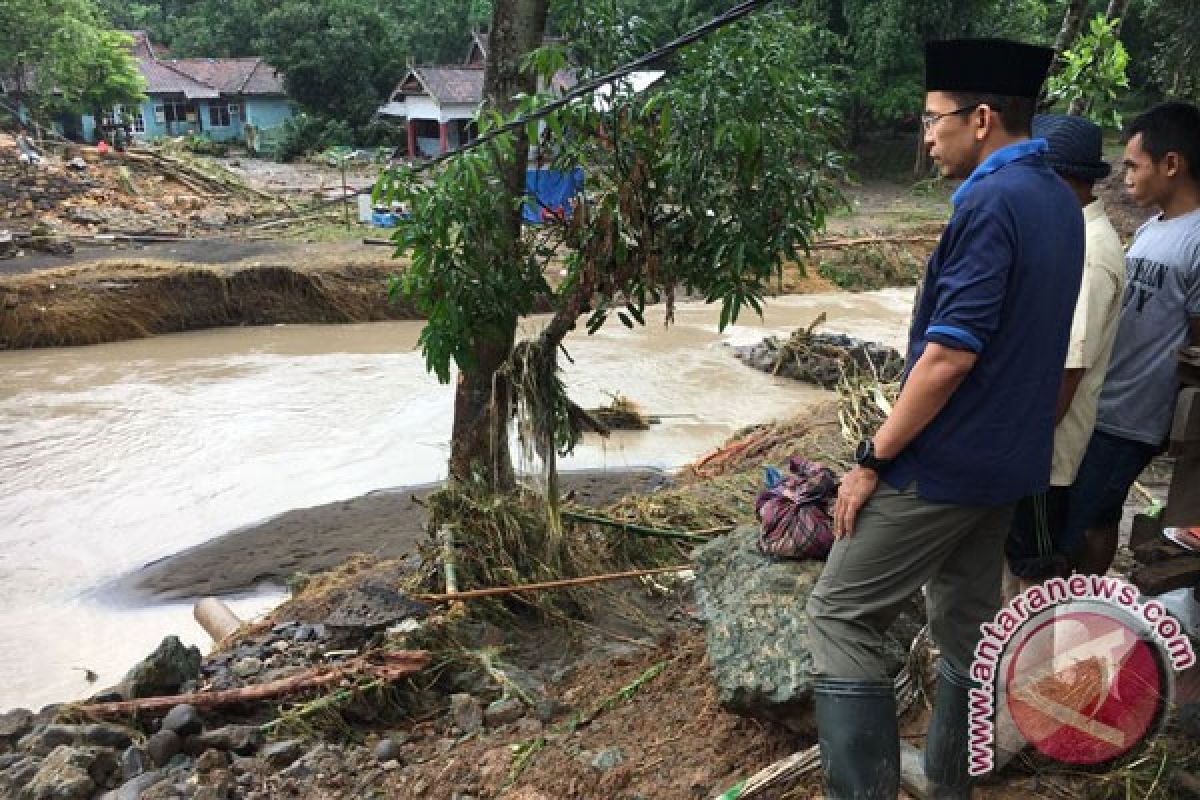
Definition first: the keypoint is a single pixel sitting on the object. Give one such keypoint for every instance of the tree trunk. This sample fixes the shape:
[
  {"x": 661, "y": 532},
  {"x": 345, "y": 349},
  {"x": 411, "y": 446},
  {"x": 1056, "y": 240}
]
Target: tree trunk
[
  {"x": 483, "y": 396},
  {"x": 1116, "y": 10},
  {"x": 1071, "y": 24}
]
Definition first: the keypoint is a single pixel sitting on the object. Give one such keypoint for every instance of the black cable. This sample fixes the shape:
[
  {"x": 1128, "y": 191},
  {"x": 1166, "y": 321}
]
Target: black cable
[{"x": 716, "y": 23}]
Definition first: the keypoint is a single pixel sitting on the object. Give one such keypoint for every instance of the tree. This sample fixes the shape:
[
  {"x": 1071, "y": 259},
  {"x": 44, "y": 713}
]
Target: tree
[
  {"x": 338, "y": 57},
  {"x": 76, "y": 62},
  {"x": 706, "y": 182},
  {"x": 1174, "y": 47},
  {"x": 1092, "y": 77}
]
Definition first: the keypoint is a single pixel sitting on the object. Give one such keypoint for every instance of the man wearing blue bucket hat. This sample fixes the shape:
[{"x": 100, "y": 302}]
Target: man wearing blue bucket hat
[
  {"x": 931, "y": 500},
  {"x": 1036, "y": 547}
]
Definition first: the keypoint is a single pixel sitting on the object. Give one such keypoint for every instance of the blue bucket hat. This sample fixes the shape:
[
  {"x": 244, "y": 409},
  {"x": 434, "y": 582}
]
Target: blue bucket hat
[{"x": 1076, "y": 146}]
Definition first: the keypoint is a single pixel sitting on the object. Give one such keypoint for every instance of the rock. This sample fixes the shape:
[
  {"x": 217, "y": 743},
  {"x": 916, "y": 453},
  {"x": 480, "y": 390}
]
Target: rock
[
  {"x": 47, "y": 738},
  {"x": 134, "y": 761},
  {"x": 19, "y": 773},
  {"x": 163, "y": 671},
  {"x": 163, "y": 746},
  {"x": 184, "y": 719},
  {"x": 757, "y": 631},
  {"x": 247, "y": 667},
  {"x": 503, "y": 712},
  {"x": 211, "y": 760},
  {"x": 64, "y": 775},
  {"x": 465, "y": 712},
  {"x": 528, "y": 726},
  {"x": 387, "y": 750},
  {"x": 85, "y": 216},
  {"x": 608, "y": 758},
  {"x": 8, "y": 759},
  {"x": 370, "y": 609},
  {"x": 133, "y": 789},
  {"x": 240, "y": 739},
  {"x": 280, "y": 754},
  {"x": 15, "y": 724}
]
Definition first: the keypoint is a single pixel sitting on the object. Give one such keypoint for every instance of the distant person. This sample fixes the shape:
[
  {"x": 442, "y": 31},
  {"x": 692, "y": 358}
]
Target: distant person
[
  {"x": 931, "y": 500},
  {"x": 1037, "y": 548},
  {"x": 1160, "y": 313}
]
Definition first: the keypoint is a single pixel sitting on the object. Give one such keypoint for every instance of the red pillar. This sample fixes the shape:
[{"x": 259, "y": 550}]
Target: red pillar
[
  {"x": 443, "y": 135},
  {"x": 412, "y": 138}
]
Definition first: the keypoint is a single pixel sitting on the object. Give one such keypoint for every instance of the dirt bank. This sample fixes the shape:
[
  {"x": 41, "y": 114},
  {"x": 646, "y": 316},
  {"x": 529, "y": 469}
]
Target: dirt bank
[
  {"x": 117, "y": 300},
  {"x": 387, "y": 524}
]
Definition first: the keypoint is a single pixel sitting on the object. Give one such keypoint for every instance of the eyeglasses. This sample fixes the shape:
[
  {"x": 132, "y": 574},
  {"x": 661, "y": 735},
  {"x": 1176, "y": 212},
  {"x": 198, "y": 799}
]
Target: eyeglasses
[{"x": 930, "y": 118}]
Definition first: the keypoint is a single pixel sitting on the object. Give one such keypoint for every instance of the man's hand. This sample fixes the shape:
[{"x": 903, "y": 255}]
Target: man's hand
[{"x": 855, "y": 490}]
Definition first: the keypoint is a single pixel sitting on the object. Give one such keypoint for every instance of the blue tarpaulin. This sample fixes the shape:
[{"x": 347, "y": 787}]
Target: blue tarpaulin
[{"x": 549, "y": 193}]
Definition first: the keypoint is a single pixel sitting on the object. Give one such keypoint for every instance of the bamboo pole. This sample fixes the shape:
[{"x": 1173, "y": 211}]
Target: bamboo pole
[
  {"x": 630, "y": 527},
  {"x": 475, "y": 594}
]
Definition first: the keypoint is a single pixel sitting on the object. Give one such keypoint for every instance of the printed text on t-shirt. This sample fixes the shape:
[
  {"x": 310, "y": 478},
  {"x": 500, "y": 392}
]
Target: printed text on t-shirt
[{"x": 1145, "y": 278}]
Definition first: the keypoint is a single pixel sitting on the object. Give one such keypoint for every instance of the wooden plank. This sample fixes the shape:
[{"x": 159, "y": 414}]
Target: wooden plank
[
  {"x": 1166, "y": 576},
  {"x": 1146, "y": 530},
  {"x": 1183, "y": 498},
  {"x": 1154, "y": 552},
  {"x": 1185, "y": 430}
]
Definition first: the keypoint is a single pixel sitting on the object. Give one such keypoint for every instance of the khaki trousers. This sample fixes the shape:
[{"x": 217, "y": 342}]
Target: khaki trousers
[{"x": 901, "y": 543}]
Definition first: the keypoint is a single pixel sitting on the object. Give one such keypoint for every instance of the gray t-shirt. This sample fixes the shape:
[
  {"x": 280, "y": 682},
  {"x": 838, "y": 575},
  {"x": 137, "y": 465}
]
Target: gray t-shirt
[{"x": 1162, "y": 293}]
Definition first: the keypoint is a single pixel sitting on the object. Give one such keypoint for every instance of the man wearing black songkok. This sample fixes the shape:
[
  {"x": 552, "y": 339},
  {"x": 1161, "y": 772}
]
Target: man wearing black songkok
[{"x": 931, "y": 499}]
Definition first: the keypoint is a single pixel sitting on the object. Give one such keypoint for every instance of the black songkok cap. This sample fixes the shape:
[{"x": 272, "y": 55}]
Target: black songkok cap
[{"x": 986, "y": 66}]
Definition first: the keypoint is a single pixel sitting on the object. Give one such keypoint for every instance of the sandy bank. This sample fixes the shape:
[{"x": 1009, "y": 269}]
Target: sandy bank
[{"x": 388, "y": 523}]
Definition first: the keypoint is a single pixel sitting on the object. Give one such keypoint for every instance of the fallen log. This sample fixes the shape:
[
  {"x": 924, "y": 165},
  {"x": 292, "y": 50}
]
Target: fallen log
[
  {"x": 394, "y": 666},
  {"x": 833, "y": 244},
  {"x": 498, "y": 591}
]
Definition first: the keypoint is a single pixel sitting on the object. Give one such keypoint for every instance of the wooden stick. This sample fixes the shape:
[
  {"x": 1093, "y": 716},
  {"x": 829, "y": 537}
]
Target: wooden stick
[
  {"x": 630, "y": 527},
  {"x": 396, "y": 665},
  {"x": 497, "y": 591},
  {"x": 829, "y": 244}
]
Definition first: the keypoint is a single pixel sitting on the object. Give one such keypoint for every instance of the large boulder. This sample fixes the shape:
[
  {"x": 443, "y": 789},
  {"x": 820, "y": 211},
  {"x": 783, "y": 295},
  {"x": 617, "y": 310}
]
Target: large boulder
[
  {"x": 163, "y": 671},
  {"x": 757, "y": 631},
  {"x": 68, "y": 773}
]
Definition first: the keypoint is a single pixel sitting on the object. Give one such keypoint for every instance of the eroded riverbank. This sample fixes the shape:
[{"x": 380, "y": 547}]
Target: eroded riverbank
[{"x": 126, "y": 453}]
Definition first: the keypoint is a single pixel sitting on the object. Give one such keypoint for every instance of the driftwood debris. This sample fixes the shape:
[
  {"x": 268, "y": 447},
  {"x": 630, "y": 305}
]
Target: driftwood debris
[
  {"x": 387, "y": 666},
  {"x": 499, "y": 591}
]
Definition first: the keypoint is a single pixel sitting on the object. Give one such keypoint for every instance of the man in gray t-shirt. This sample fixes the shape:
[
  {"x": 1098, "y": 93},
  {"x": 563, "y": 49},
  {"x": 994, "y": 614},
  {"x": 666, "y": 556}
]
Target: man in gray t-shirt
[{"x": 1160, "y": 313}]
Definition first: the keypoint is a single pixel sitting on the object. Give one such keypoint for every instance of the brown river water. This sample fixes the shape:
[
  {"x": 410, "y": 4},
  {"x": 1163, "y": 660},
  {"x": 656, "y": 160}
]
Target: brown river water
[{"x": 115, "y": 455}]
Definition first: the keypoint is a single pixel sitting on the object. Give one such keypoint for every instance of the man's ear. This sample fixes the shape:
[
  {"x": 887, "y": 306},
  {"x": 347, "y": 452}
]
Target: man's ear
[
  {"x": 985, "y": 118},
  {"x": 1172, "y": 164}
]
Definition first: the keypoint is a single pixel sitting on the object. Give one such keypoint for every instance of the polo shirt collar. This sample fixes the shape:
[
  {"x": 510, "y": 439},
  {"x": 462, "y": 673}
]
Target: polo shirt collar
[
  {"x": 1002, "y": 157},
  {"x": 1093, "y": 211}
]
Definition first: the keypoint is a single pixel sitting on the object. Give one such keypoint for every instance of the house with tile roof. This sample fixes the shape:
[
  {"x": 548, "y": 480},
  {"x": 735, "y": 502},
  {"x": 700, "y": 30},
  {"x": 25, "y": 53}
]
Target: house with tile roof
[
  {"x": 217, "y": 98},
  {"x": 438, "y": 103}
]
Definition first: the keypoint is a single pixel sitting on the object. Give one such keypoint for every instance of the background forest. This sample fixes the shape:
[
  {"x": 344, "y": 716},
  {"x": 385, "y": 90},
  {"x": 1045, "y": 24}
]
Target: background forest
[{"x": 342, "y": 57}]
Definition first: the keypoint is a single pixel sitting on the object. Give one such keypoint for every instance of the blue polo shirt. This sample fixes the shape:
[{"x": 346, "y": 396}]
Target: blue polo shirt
[{"x": 1002, "y": 283}]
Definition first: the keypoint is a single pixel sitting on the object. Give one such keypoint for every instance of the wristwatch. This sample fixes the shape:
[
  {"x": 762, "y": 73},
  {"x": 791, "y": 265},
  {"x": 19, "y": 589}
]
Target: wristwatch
[{"x": 864, "y": 456}]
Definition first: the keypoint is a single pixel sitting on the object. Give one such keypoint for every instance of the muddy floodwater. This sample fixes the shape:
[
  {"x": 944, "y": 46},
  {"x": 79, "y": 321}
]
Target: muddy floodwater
[{"x": 116, "y": 455}]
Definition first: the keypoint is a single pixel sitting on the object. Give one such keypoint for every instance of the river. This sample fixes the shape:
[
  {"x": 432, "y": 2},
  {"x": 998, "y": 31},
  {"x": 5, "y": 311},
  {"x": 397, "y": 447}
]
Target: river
[{"x": 116, "y": 455}]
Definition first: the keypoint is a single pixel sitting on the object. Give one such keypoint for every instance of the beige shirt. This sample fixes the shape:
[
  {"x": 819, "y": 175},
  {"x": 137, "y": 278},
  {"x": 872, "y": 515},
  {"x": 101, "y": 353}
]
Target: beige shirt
[{"x": 1093, "y": 329}]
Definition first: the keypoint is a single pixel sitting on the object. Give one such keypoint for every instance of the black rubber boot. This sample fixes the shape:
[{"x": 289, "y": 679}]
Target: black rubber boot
[
  {"x": 942, "y": 773},
  {"x": 860, "y": 744}
]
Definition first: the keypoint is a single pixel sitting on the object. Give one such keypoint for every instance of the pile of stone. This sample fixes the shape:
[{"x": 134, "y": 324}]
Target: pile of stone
[{"x": 824, "y": 359}]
